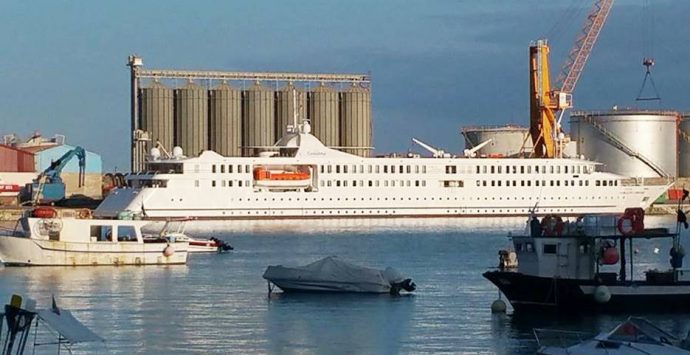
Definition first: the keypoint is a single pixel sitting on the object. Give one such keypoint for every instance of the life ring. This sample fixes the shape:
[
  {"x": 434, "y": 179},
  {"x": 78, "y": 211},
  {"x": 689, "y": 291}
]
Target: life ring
[
  {"x": 637, "y": 215},
  {"x": 632, "y": 221},
  {"x": 84, "y": 213},
  {"x": 44, "y": 212},
  {"x": 626, "y": 225}
]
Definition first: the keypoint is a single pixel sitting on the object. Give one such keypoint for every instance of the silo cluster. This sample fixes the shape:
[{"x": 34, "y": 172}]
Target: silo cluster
[
  {"x": 236, "y": 120},
  {"x": 243, "y": 113}
]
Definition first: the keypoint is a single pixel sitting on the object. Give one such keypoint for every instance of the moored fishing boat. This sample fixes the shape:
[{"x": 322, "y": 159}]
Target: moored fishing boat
[
  {"x": 43, "y": 238},
  {"x": 588, "y": 267}
]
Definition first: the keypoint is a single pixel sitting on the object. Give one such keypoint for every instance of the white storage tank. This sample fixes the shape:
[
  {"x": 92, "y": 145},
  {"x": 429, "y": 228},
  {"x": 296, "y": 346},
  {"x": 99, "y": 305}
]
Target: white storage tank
[
  {"x": 506, "y": 141},
  {"x": 630, "y": 142},
  {"x": 684, "y": 148}
]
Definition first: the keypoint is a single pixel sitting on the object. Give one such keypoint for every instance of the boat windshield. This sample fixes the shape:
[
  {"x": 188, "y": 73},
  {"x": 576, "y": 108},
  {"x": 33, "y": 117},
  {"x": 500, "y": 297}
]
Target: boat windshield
[{"x": 640, "y": 331}]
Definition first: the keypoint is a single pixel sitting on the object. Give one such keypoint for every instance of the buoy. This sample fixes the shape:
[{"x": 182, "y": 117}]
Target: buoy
[
  {"x": 44, "y": 212},
  {"x": 637, "y": 251},
  {"x": 498, "y": 306},
  {"x": 602, "y": 294},
  {"x": 656, "y": 250},
  {"x": 610, "y": 256},
  {"x": 168, "y": 251}
]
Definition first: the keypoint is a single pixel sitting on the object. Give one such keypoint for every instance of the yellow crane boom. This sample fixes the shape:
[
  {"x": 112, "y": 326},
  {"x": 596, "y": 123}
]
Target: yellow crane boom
[{"x": 545, "y": 103}]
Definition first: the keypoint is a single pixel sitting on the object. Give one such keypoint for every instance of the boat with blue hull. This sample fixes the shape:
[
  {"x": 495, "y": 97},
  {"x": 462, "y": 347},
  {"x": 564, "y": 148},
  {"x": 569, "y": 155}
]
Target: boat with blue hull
[{"x": 588, "y": 266}]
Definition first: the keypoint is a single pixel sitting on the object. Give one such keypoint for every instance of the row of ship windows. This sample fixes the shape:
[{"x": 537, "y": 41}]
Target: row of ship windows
[
  {"x": 529, "y": 198},
  {"x": 416, "y": 169},
  {"x": 329, "y": 183},
  {"x": 522, "y": 169},
  {"x": 373, "y": 183},
  {"x": 373, "y": 169},
  {"x": 222, "y": 183},
  {"x": 391, "y": 212},
  {"x": 543, "y": 183},
  {"x": 422, "y": 183},
  {"x": 230, "y": 168}
]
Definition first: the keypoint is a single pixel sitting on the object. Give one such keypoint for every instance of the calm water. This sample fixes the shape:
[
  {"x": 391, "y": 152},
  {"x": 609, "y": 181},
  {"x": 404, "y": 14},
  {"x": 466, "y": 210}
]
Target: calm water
[{"x": 219, "y": 303}]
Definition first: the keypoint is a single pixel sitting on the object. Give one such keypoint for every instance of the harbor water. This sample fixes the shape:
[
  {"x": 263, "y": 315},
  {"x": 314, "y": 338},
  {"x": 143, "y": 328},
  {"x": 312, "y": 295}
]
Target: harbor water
[{"x": 218, "y": 303}]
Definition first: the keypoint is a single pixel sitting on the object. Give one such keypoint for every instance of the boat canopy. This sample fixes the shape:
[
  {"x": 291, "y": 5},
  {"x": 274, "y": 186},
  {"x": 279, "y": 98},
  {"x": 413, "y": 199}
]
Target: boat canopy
[{"x": 63, "y": 322}]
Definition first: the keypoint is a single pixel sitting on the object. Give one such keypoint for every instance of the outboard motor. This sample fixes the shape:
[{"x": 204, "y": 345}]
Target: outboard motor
[
  {"x": 222, "y": 246},
  {"x": 398, "y": 282}
]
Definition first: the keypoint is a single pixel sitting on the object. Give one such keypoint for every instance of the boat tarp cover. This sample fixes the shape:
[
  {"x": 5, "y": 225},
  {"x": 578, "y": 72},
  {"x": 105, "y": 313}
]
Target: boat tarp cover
[
  {"x": 67, "y": 326},
  {"x": 332, "y": 271}
]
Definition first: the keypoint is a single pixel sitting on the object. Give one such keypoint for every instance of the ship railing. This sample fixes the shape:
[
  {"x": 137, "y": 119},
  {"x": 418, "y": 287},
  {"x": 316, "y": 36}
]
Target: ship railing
[
  {"x": 559, "y": 338},
  {"x": 484, "y": 127}
]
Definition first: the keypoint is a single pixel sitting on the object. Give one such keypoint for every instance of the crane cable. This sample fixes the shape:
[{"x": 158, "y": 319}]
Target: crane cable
[{"x": 647, "y": 20}]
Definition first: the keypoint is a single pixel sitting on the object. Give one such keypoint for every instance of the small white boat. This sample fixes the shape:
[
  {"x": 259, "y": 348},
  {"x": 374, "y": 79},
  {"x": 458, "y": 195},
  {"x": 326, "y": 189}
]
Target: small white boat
[
  {"x": 331, "y": 274},
  {"x": 43, "y": 238},
  {"x": 176, "y": 232},
  {"x": 634, "y": 336}
]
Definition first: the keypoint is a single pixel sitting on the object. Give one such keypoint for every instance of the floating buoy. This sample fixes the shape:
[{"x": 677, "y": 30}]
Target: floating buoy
[
  {"x": 602, "y": 294},
  {"x": 44, "y": 212},
  {"x": 498, "y": 306},
  {"x": 168, "y": 251},
  {"x": 610, "y": 256},
  {"x": 656, "y": 250}
]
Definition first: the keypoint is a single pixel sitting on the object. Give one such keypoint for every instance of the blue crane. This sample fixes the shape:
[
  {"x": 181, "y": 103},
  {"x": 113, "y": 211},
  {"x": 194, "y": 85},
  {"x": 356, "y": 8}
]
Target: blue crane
[{"x": 48, "y": 186}]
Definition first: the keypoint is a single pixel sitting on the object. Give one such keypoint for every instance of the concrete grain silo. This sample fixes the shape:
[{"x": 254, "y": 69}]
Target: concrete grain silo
[
  {"x": 225, "y": 120},
  {"x": 355, "y": 120},
  {"x": 156, "y": 114},
  {"x": 285, "y": 104},
  {"x": 191, "y": 119},
  {"x": 323, "y": 114},
  {"x": 258, "y": 118},
  {"x": 630, "y": 143}
]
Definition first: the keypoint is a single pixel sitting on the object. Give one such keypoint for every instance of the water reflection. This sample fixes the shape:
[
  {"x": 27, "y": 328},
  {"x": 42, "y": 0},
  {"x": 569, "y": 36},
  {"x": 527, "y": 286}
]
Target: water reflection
[{"x": 366, "y": 324}]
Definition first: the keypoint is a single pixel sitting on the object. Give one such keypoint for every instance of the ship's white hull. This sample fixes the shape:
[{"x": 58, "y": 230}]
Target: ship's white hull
[
  {"x": 161, "y": 204},
  {"x": 22, "y": 251}
]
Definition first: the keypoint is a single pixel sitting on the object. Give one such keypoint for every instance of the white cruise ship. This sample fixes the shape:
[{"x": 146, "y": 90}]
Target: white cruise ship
[{"x": 302, "y": 178}]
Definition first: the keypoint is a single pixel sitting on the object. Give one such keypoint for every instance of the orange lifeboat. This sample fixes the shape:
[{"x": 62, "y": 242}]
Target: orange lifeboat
[{"x": 281, "y": 178}]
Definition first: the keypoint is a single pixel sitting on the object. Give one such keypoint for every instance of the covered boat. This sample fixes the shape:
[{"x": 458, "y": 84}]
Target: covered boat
[
  {"x": 634, "y": 336},
  {"x": 332, "y": 274}
]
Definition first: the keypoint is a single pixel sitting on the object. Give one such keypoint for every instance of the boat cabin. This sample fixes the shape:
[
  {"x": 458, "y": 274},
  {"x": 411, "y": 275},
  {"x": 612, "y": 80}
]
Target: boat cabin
[
  {"x": 82, "y": 230},
  {"x": 593, "y": 248}
]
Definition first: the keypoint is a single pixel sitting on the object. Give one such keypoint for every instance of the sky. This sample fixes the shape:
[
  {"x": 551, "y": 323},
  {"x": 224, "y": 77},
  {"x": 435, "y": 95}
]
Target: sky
[{"x": 436, "y": 65}]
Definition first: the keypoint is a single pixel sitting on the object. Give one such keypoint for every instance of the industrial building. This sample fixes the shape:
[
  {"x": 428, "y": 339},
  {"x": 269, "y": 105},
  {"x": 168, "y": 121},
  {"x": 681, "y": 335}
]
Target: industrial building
[
  {"x": 22, "y": 161},
  {"x": 241, "y": 113},
  {"x": 93, "y": 170}
]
